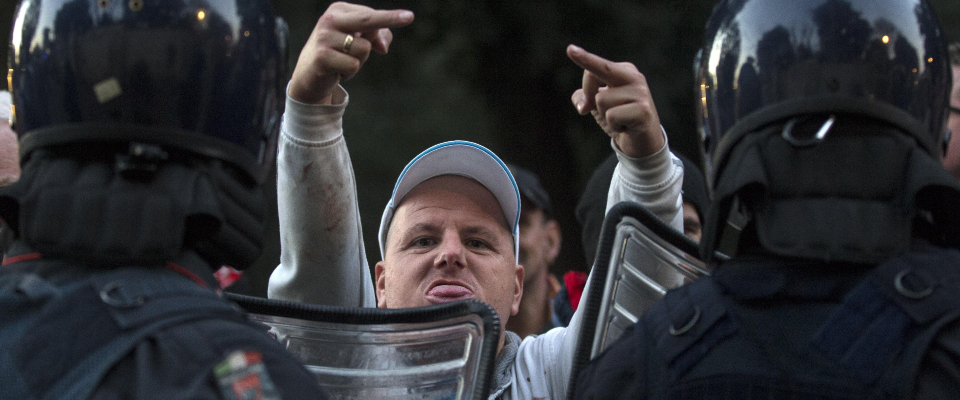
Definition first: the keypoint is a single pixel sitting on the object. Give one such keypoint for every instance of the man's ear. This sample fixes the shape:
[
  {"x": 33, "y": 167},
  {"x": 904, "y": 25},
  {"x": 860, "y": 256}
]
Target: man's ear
[
  {"x": 518, "y": 290},
  {"x": 380, "y": 278},
  {"x": 554, "y": 237}
]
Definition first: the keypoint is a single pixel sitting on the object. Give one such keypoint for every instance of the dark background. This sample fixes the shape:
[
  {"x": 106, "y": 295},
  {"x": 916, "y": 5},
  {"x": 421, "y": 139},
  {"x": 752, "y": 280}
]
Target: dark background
[{"x": 496, "y": 72}]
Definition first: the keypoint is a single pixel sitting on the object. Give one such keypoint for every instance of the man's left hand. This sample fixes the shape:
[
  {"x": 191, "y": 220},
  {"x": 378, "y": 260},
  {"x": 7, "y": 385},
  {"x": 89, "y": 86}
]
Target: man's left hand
[{"x": 617, "y": 96}]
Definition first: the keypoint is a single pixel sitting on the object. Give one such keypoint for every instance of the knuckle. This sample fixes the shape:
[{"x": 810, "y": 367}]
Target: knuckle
[
  {"x": 607, "y": 69},
  {"x": 328, "y": 18},
  {"x": 325, "y": 33},
  {"x": 645, "y": 104},
  {"x": 612, "y": 117},
  {"x": 324, "y": 52}
]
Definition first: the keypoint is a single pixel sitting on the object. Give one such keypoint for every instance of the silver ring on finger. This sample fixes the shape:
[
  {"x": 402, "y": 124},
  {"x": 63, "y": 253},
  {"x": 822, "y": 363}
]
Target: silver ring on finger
[{"x": 347, "y": 44}]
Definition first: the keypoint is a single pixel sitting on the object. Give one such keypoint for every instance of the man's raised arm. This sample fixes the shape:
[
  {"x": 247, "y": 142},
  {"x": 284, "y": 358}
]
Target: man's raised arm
[
  {"x": 322, "y": 257},
  {"x": 617, "y": 96}
]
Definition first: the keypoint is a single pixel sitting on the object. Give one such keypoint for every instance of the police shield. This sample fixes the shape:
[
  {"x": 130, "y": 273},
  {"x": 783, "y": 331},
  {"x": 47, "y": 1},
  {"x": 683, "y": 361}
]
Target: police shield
[
  {"x": 436, "y": 352},
  {"x": 638, "y": 259},
  {"x": 646, "y": 258}
]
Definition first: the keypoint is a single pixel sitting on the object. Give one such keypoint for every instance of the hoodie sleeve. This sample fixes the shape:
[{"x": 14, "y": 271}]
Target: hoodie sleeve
[
  {"x": 654, "y": 181},
  {"x": 322, "y": 258},
  {"x": 543, "y": 364}
]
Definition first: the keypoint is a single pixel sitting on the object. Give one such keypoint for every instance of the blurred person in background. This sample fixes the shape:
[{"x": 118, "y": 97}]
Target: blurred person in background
[
  {"x": 952, "y": 160},
  {"x": 9, "y": 150},
  {"x": 540, "y": 240},
  {"x": 9, "y": 162},
  {"x": 590, "y": 214},
  {"x": 696, "y": 200}
]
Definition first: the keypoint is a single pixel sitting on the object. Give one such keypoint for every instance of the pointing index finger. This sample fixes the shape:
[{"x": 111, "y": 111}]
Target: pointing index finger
[{"x": 608, "y": 72}]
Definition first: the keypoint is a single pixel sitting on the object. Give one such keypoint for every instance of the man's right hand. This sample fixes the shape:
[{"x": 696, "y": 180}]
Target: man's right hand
[{"x": 323, "y": 62}]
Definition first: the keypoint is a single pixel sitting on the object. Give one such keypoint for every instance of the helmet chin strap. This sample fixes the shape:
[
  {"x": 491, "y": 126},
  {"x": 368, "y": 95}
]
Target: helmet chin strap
[
  {"x": 138, "y": 210},
  {"x": 849, "y": 190}
]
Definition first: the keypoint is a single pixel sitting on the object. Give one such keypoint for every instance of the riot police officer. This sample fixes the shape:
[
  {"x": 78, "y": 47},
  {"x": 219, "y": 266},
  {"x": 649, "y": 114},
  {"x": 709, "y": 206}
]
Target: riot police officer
[
  {"x": 146, "y": 129},
  {"x": 824, "y": 125}
]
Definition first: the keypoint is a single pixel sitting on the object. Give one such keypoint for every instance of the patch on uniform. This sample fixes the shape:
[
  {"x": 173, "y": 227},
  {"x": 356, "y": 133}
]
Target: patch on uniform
[
  {"x": 227, "y": 276},
  {"x": 242, "y": 376}
]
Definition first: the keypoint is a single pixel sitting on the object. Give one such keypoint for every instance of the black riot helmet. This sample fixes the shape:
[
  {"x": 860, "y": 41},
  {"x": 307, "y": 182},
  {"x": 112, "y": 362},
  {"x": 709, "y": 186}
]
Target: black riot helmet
[
  {"x": 766, "y": 60},
  {"x": 822, "y": 126},
  {"x": 203, "y": 76},
  {"x": 145, "y": 128}
]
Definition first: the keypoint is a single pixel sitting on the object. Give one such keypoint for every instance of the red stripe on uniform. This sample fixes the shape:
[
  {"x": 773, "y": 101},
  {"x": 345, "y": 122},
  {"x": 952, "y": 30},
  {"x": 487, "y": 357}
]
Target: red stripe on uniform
[
  {"x": 185, "y": 272},
  {"x": 22, "y": 257}
]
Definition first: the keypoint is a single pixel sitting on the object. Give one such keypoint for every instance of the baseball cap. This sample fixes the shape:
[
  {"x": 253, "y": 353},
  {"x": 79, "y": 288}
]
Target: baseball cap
[
  {"x": 530, "y": 189},
  {"x": 465, "y": 159}
]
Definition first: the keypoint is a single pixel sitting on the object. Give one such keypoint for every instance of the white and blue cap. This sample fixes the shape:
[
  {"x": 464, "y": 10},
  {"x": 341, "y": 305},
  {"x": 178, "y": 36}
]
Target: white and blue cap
[{"x": 465, "y": 159}]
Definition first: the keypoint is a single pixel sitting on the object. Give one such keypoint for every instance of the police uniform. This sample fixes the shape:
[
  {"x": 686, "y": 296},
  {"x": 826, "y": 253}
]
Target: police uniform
[
  {"x": 134, "y": 333},
  {"x": 823, "y": 125},
  {"x": 146, "y": 130},
  {"x": 768, "y": 328}
]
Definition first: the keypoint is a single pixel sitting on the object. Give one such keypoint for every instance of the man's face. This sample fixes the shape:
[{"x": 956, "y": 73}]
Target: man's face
[
  {"x": 9, "y": 154},
  {"x": 449, "y": 241},
  {"x": 539, "y": 242},
  {"x": 952, "y": 160},
  {"x": 691, "y": 222}
]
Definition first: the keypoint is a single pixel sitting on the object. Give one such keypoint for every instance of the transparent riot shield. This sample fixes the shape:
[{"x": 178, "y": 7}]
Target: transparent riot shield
[
  {"x": 437, "y": 352},
  {"x": 639, "y": 258}
]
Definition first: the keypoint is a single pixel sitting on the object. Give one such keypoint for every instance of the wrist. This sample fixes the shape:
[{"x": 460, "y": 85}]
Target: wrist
[
  {"x": 303, "y": 94},
  {"x": 641, "y": 144}
]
